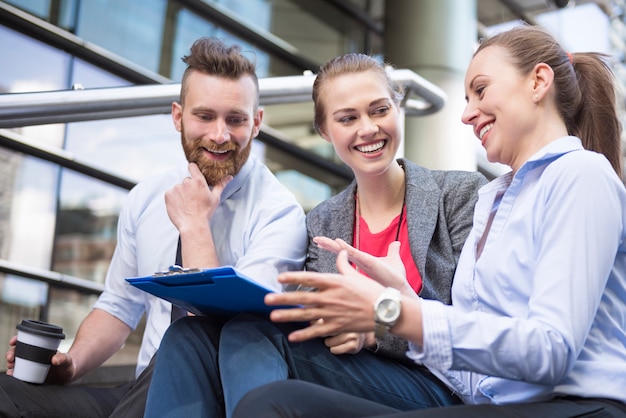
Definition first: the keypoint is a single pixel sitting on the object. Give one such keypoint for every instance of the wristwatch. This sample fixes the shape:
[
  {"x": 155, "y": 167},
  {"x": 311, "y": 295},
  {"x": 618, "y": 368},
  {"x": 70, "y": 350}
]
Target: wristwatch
[{"x": 387, "y": 311}]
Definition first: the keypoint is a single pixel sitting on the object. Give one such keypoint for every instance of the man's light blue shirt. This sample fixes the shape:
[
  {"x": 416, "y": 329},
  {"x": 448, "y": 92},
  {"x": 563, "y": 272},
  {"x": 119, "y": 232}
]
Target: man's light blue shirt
[
  {"x": 544, "y": 306},
  {"x": 258, "y": 227}
]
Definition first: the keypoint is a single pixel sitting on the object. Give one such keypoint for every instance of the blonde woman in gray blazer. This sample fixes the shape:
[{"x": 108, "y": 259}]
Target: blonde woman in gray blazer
[{"x": 439, "y": 209}]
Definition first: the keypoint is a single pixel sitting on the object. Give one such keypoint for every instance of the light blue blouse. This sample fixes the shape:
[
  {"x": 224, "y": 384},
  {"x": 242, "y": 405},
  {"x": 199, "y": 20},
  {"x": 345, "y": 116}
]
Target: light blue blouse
[
  {"x": 542, "y": 312},
  {"x": 258, "y": 227}
]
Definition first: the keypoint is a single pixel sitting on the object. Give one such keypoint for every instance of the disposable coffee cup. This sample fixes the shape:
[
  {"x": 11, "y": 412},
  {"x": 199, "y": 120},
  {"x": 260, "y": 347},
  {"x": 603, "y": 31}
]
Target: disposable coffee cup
[{"x": 37, "y": 342}]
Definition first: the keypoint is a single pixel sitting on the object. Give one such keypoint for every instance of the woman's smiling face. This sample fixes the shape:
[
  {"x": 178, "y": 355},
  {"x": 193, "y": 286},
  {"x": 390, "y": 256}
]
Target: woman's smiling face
[
  {"x": 499, "y": 106},
  {"x": 361, "y": 120}
]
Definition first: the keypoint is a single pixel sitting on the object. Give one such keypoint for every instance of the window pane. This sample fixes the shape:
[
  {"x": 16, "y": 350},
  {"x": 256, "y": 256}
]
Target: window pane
[
  {"x": 31, "y": 217},
  {"x": 91, "y": 77},
  {"x": 307, "y": 190},
  {"x": 39, "y": 8},
  {"x": 86, "y": 226},
  {"x": 132, "y": 148},
  {"x": 130, "y": 29},
  {"x": 34, "y": 65},
  {"x": 57, "y": 12}
]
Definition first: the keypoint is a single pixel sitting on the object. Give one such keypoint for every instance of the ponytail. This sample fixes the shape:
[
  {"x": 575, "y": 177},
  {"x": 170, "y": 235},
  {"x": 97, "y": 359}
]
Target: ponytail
[{"x": 597, "y": 122}]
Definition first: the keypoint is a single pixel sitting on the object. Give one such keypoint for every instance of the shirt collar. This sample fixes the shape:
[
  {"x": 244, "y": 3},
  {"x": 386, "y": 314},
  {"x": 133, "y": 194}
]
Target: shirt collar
[
  {"x": 240, "y": 179},
  {"x": 552, "y": 151}
]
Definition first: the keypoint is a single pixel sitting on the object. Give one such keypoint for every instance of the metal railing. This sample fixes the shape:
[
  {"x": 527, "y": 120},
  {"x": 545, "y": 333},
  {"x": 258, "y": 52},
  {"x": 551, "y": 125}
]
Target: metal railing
[
  {"x": 51, "y": 277},
  {"x": 25, "y": 109}
]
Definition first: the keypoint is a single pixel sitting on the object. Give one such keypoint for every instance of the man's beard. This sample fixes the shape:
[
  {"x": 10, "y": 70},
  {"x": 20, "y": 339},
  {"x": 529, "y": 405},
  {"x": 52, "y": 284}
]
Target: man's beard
[{"x": 214, "y": 171}]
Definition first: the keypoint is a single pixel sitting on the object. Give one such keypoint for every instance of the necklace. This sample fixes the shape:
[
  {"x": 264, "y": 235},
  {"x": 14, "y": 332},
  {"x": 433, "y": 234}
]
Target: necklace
[
  {"x": 357, "y": 234},
  {"x": 357, "y": 220}
]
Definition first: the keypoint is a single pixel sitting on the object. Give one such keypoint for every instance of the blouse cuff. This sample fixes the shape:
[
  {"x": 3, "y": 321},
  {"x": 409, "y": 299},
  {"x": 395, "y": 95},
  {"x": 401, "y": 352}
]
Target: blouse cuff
[{"x": 436, "y": 351}]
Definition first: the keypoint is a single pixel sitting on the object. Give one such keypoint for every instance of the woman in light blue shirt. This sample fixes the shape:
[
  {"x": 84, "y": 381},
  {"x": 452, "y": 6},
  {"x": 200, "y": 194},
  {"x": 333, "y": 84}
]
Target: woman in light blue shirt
[{"x": 537, "y": 325}]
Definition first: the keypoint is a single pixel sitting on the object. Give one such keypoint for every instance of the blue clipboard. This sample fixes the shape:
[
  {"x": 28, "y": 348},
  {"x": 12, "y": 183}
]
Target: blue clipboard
[{"x": 221, "y": 291}]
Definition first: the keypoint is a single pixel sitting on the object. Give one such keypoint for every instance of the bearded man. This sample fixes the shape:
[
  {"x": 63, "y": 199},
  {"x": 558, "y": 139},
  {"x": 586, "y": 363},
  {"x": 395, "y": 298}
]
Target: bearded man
[{"x": 221, "y": 207}]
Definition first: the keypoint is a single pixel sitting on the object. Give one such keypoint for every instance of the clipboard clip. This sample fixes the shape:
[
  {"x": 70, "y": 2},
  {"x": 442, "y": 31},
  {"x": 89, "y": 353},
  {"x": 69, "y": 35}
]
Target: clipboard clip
[{"x": 176, "y": 269}]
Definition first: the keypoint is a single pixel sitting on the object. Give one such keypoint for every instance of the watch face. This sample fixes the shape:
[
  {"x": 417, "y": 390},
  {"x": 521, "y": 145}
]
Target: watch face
[{"x": 388, "y": 310}]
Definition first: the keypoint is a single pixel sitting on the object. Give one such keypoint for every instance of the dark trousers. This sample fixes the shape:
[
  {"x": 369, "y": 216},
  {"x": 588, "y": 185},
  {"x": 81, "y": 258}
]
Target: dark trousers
[
  {"x": 253, "y": 351},
  {"x": 292, "y": 398},
  {"x": 180, "y": 388},
  {"x": 21, "y": 399}
]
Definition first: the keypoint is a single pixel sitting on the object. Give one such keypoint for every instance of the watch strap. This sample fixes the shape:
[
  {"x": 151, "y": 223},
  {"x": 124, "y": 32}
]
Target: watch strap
[{"x": 381, "y": 331}]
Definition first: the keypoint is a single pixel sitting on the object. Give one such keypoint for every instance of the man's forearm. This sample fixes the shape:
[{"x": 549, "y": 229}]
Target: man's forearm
[{"x": 99, "y": 336}]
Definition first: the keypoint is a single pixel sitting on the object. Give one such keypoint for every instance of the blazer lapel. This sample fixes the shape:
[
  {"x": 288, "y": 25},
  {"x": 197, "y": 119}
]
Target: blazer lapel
[
  {"x": 342, "y": 223},
  {"x": 422, "y": 203}
]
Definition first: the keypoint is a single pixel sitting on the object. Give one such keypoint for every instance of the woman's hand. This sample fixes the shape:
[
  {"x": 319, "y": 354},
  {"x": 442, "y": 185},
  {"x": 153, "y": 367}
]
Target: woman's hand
[
  {"x": 344, "y": 301},
  {"x": 346, "y": 343},
  {"x": 388, "y": 271}
]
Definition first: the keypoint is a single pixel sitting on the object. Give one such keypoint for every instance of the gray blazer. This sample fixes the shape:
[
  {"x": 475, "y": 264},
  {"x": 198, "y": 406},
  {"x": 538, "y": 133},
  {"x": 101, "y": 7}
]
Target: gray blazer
[{"x": 440, "y": 207}]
